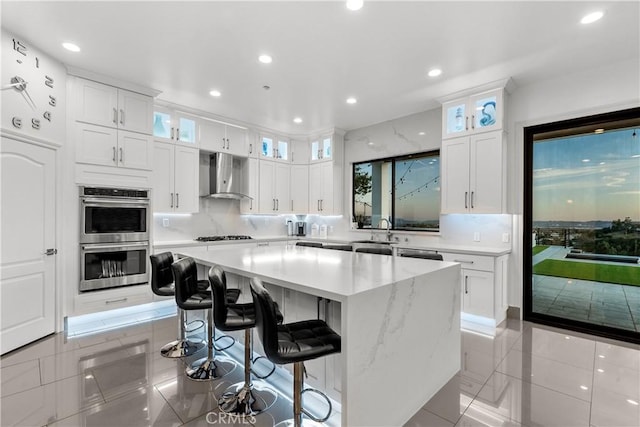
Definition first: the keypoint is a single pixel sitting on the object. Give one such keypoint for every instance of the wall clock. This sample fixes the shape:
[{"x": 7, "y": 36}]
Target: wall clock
[{"x": 33, "y": 87}]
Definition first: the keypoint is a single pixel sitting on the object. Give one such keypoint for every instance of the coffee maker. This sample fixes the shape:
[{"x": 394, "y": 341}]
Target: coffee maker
[{"x": 301, "y": 228}]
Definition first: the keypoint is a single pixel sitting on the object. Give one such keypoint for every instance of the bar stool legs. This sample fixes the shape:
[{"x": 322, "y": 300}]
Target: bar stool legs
[
  {"x": 210, "y": 368},
  {"x": 247, "y": 398},
  {"x": 182, "y": 347}
]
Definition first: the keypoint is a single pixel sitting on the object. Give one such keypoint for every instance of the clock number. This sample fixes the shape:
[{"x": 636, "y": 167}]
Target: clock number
[
  {"x": 47, "y": 115},
  {"x": 37, "y": 62},
  {"x": 52, "y": 101},
  {"x": 35, "y": 123},
  {"x": 48, "y": 81},
  {"x": 19, "y": 47},
  {"x": 17, "y": 122}
]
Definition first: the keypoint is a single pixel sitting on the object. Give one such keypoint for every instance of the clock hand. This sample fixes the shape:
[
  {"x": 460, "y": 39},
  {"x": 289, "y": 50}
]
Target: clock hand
[
  {"x": 12, "y": 85},
  {"x": 29, "y": 99}
]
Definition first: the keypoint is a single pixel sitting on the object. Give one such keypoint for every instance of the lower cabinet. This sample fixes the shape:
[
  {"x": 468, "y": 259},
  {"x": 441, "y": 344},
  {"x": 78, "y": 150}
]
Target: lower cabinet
[
  {"x": 175, "y": 178},
  {"x": 483, "y": 286},
  {"x": 110, "y": 299}
]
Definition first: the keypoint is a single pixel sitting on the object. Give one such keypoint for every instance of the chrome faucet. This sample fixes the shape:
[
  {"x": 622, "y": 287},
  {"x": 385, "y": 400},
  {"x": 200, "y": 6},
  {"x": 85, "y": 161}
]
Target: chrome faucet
[{"x": 388, "y": 228}]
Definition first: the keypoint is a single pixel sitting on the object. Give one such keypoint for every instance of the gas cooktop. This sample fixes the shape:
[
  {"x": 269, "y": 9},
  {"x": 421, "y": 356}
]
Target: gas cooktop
[{"x": 217, "y": 238}]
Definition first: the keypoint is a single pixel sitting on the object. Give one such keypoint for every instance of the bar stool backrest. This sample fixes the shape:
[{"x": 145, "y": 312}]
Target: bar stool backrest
[
  {"x": 185, "y": 273},
  {"x": 218, "y": 281},
  {"x": 161, "y": 274},
  {"x": 266, "y": 319}
]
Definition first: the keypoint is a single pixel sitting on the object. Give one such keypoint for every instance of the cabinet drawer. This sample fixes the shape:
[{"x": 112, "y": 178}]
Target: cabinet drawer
[
  {"x": 110, "y": 299},
  {"x": 471, "y": 262}
]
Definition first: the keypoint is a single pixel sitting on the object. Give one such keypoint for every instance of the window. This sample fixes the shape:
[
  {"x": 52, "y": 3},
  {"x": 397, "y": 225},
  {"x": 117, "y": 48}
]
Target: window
[{"x": 405, "y": 191}]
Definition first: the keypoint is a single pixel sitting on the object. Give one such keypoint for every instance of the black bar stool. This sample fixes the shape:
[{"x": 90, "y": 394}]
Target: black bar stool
[
  {"x": 190, "y": 297},
  {"x": 421, "y": 255},
  {"x": 162, "y": 284},
  {"x": 338, "y": 247},
  {"x": 379, "y": 251},
  {"x": 292, "y": 343},
  {"x": 244, "y": 398},
  {"x": 310, "y": 244}
]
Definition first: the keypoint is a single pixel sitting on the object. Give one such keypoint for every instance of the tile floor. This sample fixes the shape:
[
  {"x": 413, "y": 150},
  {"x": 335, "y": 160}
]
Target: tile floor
[{"x": 527, "y": 375}]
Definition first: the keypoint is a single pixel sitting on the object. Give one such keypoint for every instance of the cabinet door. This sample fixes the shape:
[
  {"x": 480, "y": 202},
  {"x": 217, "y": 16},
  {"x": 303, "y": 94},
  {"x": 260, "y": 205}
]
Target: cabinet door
[
  {"x": 477, "y": 293},
  {"x": 455, "y": 176},
  {"x": 250, "y": 206},
  {"x": 135, "y": 150},
  {"x": 135, "y": 112},
  {"x": 96, "y": 145},
  {"x": 487, "y": 172},
  {"x": 266, "y": 199},
  {"x": 282, "y": 149},
  {"x": 455, "y": 118},
  {"x": 163, "y": 171},
  {"x": 212, "y": 136},
  {"x": 300, "y": 152},
  {"x": 327, "y": 151},
  {"x": 163, "y": 124},
  {"x": 299, "y": 189},
  {"x": 315, "y": 188},
  {"x": 236, "y": 140},
  {"x": 186, "y": 131},
  {"x": 486, "y": 111},
  {"x": 326, "y": 201},
  {"x": 282, "y": 192},
  {"x": 97, "y": 103},
  {"x": 267, "y": 147},
  {"x": 186, "y": 179}
]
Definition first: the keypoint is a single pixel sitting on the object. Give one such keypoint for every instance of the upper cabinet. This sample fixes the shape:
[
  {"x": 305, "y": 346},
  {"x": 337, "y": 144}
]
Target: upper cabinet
[
  {"x": 321, "y": 149},
  {"x": 300, "y": 152},
  {"x": 171, "y": 126},
  {"x": 108, "y": 106},
  {"x": 224, "y": 138},
  {"x": 274, "y": 147},
  {"x": 481, "y": 112}
]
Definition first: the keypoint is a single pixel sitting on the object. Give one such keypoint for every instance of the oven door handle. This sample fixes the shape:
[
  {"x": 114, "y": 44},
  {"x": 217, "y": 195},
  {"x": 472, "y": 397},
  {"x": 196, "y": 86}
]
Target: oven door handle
[
  {"x": 95, "y": 201},
  {"x": 115, "y": 246}
]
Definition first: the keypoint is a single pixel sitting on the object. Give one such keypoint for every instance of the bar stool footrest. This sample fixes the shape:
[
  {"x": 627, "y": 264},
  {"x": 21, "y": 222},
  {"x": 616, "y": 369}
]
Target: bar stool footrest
[{"x": 326, "y": 398}]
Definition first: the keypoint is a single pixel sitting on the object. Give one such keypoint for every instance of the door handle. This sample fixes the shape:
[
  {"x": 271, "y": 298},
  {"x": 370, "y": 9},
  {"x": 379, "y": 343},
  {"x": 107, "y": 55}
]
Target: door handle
[
  {"x": 122, "y": 117},
  {"x": 121, "y": 156},
  {"x": 466, "y": 205},
  {"x": 51, "y": 251},
  {"x": 171, "y": 199},
  {"x": 115, "y": 116}
]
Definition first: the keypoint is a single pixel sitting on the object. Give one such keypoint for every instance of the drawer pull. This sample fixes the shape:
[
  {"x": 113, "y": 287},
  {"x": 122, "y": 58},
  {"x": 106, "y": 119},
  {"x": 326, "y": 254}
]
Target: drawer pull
[
  {"x": 113, "y": 301},
  {"x": 463, "y": 261},
  {"x": 263, "y": 244}
]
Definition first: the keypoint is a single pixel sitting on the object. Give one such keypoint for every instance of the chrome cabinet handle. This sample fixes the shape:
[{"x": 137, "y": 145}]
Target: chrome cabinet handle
[
  {"x": 121, "y": 156},
  {"x": 472, "y": 199},
  {"x": 251, "y": 148},
  {"x": 115, "y": 116},
  {"x": 466, "y": 205},
  {"x": 322, "y": 204},
  {"x": 318, "y": 203},
  {"x": 122, "y": 117},
  {"x": 466, "y": 284},
  {"x": 274, "y": 204},
  {"x": 473, "y": 121},
  {"x": 171, "y": 200},
  {"x": 51, "y": 251},
  {"x": 223, "y": 143},
  {"x": 466, "y": 123},
  {"x": 463, "y": 261},
  {"x": 227, "y": 143},
  {"x": 291, "y": 205},
  {"x": 113, "y": 301},
  {"x": 114, "y": 154},
  {"x": 177, "y": 200},
  {"x": 177, "y": 135}
]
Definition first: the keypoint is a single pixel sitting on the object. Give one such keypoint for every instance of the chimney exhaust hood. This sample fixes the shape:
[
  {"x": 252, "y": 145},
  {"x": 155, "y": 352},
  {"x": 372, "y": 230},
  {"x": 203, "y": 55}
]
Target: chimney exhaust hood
[{"x": 225, "y": 177}]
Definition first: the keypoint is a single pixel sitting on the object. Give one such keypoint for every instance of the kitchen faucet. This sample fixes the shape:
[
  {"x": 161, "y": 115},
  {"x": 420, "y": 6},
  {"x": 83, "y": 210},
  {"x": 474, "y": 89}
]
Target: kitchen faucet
[{"x": 388, "y": 228}]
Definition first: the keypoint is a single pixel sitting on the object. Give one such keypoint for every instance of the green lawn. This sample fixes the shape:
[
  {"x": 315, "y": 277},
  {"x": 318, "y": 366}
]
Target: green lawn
[
  {"x": 538, "y": 249},
  {"x": 608, "y": 273}
]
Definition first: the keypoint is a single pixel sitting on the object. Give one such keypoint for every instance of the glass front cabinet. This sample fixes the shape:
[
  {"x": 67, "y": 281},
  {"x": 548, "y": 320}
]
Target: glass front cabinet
[
  {"x": 274, "y": 148},
  {"x": 478, "y": 113},
  {"x": 169, "y": 126},
  {"x": 321, "y": 149}
]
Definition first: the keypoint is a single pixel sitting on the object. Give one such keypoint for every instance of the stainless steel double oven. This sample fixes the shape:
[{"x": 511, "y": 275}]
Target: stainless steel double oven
[{"x": 114, "y": 237}]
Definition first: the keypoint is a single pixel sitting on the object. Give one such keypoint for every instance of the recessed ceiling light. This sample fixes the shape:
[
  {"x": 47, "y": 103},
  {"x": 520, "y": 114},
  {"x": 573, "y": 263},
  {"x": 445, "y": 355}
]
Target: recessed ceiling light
[
  {"x": 420, "y": 133},
  {"x": 71, "y": 46},
  {"x": 265, "y": 59},
  {"x": 592, "y": 17},
  {"x": 599, "y": 130},
  {"x": 351, "y": 100},
  {"x": 370, "y": 143},
  {"x": 354, "y": 4},
  {"x": 215, "y": 93},
  {"x": 297, "y": 120},
  {"x": 434, "y": 72}
]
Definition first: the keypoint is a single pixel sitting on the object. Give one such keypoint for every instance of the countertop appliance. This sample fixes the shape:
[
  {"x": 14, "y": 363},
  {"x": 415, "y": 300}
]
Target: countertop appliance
[
  {"x": 301, "y": 228},
  {"x": 114, "y": 237},
  {"x": 219, "y": 238}
]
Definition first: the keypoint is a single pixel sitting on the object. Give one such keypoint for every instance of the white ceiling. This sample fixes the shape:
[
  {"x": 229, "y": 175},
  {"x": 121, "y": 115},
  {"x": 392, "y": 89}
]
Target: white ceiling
[{"x": 323, "y": 52}]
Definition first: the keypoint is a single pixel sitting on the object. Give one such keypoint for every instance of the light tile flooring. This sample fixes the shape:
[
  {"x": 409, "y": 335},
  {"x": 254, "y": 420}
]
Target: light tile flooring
[{"x": 527, "y": 375}]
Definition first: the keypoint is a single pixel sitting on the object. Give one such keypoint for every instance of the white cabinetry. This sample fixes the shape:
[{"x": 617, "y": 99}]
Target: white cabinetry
[
  {"x": 220, "y": 137},
  {"x": 300, "y": 152},
  {"x": 472, "y": 114},
  {"x": 98, "y": 145},
  {"x": 250, "y": 205},
  {"x": 483, "y": 287},
  {"x": 473, "y": 174},
  {"x": 175, "y": 178},
  {"x": 109, "y": 106},
  {"x": 274, "y": 148},
  {"x": 171, "y": 126},
  {"x": 322, "y": 198},
  {"x": 274, "y": 187},
  {"x": 322, "y": 149},
  {"x": 299, "y": 189}
]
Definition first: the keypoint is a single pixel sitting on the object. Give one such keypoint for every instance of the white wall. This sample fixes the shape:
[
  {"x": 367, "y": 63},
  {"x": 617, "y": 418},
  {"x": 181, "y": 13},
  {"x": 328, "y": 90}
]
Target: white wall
[{"x": 607, "y": 88}]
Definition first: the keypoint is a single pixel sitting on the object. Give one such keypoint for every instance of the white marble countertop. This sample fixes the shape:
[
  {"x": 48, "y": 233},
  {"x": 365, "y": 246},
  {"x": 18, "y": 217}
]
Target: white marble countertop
[
  {"x": 335, "y": 275},
  {"x": 439, "y": 247}
]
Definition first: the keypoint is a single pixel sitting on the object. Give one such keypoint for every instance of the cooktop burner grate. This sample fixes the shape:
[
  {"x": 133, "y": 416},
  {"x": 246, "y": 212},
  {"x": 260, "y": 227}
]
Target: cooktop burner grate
[{"x": 218, "y": 238}]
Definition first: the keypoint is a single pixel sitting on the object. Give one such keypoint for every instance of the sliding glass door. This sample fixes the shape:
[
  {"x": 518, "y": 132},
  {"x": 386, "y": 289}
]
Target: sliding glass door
[{"x": 582, "y": 219}]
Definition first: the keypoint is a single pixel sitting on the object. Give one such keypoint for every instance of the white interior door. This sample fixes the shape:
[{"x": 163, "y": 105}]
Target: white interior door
[{"x": 27, "y": 274}]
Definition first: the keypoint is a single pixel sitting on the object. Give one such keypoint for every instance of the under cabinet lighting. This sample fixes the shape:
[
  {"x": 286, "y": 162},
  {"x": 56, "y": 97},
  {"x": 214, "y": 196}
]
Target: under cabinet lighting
[
  {"x": 71, "y": 46},
  {"x": 592, "y": 17}
]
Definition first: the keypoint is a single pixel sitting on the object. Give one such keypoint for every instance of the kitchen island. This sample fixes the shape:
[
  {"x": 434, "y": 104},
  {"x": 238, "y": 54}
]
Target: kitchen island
[{"x": 400, "y": 320}]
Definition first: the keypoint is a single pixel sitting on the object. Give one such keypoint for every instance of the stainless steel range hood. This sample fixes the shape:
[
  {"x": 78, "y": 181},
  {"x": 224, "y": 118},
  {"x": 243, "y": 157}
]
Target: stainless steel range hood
[{"x": 226, "y": 174}]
